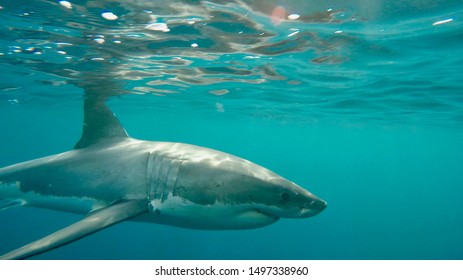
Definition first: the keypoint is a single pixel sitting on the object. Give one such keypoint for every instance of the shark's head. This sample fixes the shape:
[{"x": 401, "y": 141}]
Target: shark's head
[
  {"x": 285, "y": 199},
  {"x": 224, "y": 191}
]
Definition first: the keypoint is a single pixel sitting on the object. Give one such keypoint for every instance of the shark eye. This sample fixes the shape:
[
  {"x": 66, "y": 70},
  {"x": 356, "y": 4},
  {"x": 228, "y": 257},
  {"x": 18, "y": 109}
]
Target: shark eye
[{"x": 285, "y": 196}]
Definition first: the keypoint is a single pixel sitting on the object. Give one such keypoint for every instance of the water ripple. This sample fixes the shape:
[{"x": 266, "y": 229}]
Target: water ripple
[{"x": 294, "y": 60}]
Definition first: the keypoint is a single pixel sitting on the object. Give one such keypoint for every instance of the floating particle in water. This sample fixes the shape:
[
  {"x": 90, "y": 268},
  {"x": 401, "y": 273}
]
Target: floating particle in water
[
  {"x": 66, "y": 4},
  {"x": 109, "y": 16},
  {"x": 97, "y": 59},
  {"x": 219, "y": 91},
  {"x": 194, "y": 45},
  {"x": 117, "y": 41},
  {"x": 338, "y": 31},
  {"x": 443, "y": 21},
  {"x": 294, "y": 16},
  {"x": 219, "y": 107},
  {"x": 158, "y": 26}
]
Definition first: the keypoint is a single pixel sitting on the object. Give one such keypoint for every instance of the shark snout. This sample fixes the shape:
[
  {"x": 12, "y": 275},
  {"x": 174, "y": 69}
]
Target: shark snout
[
  {"x": 318, "y": 204},
  {"x": 313, "y": 207}
]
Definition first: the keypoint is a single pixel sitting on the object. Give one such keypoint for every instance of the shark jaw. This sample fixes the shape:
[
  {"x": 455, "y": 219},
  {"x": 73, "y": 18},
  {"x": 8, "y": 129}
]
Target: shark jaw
[{"x": 179, "y": 212}]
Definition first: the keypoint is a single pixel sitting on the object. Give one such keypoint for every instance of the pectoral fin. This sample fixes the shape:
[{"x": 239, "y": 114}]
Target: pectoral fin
[{"x": 93, "y": 223}]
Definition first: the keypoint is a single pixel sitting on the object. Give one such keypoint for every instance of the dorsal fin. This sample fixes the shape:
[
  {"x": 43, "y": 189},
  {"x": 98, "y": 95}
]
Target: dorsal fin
[{"x": 99, "y": 122}]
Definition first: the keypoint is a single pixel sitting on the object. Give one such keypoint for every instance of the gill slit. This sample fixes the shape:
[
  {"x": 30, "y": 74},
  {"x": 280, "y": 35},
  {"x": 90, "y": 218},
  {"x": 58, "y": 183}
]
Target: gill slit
[{"x": 161, "y": 175}]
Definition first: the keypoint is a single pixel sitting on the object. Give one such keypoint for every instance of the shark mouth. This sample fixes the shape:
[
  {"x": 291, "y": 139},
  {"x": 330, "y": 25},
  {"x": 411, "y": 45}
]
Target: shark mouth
[{"x": 267, "y": 214}]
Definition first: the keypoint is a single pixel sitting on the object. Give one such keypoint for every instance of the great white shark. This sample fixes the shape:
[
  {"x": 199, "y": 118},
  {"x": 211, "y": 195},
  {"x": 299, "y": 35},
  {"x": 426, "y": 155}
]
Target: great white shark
[{"x": 111, "y": 177}]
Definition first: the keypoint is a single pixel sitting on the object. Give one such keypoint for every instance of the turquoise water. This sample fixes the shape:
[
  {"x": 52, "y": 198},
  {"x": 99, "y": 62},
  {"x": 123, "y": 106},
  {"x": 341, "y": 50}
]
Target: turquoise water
[{"x": 361, "y": 103}]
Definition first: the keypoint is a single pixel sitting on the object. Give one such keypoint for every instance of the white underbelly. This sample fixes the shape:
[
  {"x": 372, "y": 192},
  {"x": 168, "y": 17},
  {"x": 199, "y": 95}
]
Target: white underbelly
[
  {"x": 182, "y": 213},
  {"x": 82, "y": 205}
]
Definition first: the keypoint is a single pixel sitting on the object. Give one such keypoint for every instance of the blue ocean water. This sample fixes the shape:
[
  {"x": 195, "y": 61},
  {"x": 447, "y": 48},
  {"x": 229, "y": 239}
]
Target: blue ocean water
[{"x": 360, "y": 102}]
